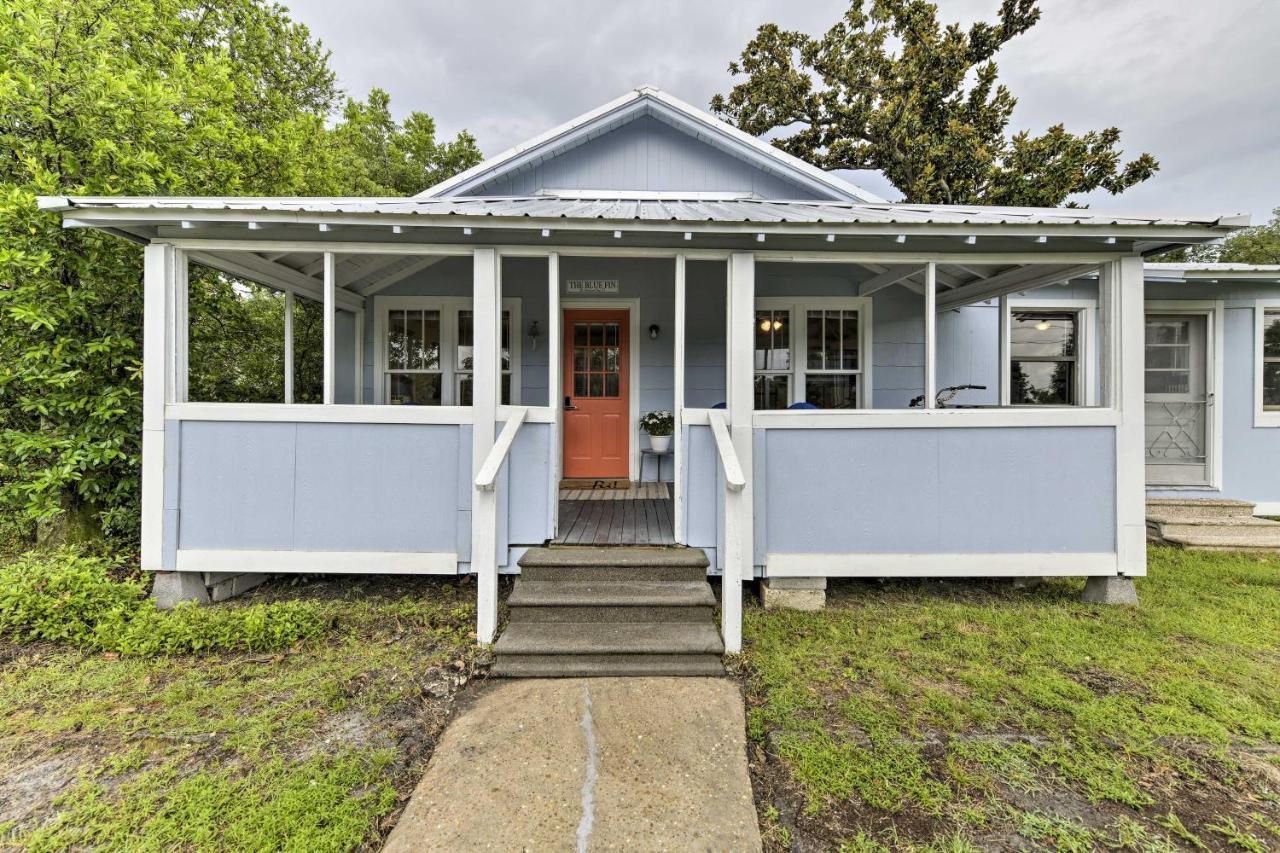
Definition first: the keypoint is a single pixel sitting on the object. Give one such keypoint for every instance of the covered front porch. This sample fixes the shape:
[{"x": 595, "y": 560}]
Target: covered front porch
[{"x": 472, "y": 361}]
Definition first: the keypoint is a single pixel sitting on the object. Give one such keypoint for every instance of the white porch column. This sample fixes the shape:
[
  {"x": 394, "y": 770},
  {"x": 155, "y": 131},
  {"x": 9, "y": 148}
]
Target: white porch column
[
  {"x": 677, "y": 406},
  {"x": 358, "y": 390},
  {"x": 486, "y": 302},
  {"x": 739, "y": 532},
  {"x": 1002, "y": 392},
  {"x": 555, "y": 384},
  {"x": 1125, "y": 282},
  {"x": 930, "y": 334},
  {"x": 288, "y": 346},
  {"x": 159, "y": 282},
  {"x": 330, "y": 325}
]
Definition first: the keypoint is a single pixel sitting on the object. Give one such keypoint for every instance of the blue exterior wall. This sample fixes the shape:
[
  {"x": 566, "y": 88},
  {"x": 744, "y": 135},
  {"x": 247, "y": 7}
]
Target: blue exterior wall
[
  {"x": 937, "y": 491},
  {"x": 344, "y": 487},
  {"x": 645, "y": 154}
]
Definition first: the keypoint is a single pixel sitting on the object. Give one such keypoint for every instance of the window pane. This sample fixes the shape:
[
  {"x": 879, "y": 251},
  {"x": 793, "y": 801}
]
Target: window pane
[
  {"x": 773, "y": 340},
  {"x": 466, "y": 332},
  {"x": 397, "y": 341},
  {"x": 1271, "y": 334},
  {"x": 1043, "y": 383},
  {"x": 580, "y": 385},
  {"x": 506, "y": 389},
  {"x": 414, "y": 389},
  {"x": 611, "y": 334},
  {"x": 596, "y": 385},
  {"x": 597, "y": 358},
  {"x": 1271, "y": 385},
  {"x": 611, "y": 384},
  {"x": 849, "y": 340},
  {"x": 580, "y": 359},
  {"x": 1042, "y": 334},
  {"x": 832, "y": 392},
  {"x": 506, "y": 340},
  {"x": 429, "y": 344},
  {"x": 1168, "y": 357},
  {"x": 1168, "y": 382},
  {"x": 815, "y": 340},
  {"x": 1168, "y": 331},
  {"x": 772, "y": 392},
  {"x": 597, "y": 334},
  {"x": 464, "y": 389},
  {"x": 611, "y": 359},
  {"x": 579, "y": 334}
]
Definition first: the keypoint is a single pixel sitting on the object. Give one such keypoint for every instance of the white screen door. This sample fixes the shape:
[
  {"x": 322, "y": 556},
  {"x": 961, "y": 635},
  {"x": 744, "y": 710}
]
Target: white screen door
[{"x": 1177, "y": 398}]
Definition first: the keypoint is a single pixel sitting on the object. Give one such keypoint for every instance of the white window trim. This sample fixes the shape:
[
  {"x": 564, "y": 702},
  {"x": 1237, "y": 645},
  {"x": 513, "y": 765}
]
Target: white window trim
[
  {"x": 1086, "y": 357},
  {"x": 448, "y": 306},
  {"x": 797, "y": 305},
  {"x": 1261, "y": 417}
]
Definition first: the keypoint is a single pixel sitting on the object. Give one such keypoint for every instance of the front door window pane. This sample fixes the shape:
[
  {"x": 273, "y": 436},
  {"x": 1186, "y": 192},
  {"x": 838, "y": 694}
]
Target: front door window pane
[
  {"x": 597, "y": 359},
  {"x": 1271, "y": 360}
]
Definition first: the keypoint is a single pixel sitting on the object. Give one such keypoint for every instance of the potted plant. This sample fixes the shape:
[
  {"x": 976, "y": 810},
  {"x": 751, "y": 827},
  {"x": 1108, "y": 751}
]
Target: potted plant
[{"x": 659, "y": 425}]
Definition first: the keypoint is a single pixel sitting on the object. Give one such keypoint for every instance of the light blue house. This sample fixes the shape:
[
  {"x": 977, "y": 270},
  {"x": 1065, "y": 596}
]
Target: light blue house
[{"x": 506, "y": 330}]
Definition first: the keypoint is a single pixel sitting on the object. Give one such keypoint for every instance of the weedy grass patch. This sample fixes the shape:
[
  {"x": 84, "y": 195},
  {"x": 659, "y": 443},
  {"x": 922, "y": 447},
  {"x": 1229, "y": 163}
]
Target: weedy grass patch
[
  {"x": 267, "y": 737},
  {"x": 918, "y": 714}
]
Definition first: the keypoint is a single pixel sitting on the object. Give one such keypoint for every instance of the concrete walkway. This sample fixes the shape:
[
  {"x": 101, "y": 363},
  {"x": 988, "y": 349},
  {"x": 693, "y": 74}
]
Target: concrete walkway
[{"x": 588, "y": 764}]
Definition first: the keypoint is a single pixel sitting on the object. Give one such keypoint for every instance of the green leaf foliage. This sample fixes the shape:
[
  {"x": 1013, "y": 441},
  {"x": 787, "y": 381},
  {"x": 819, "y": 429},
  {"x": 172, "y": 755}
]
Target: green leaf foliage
[
  {"x": 1259, "y": 244},
  {"x": 67, "y": 598},
  {"x": 152, "y": 97},
  {"x": 890, "y": 88}
]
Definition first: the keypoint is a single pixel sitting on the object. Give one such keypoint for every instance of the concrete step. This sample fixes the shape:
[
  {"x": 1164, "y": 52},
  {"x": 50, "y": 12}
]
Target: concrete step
[
  {"x": 616, "y": 593},
  {"x": 1238, "y": 539},
  {"x": 610, "y": 614},
  {"x": 604, "y": 564},
  {"x": 1164, "y": 519},
  {"x": 586, "y": 666},
  {"x": 609, "y": 638},
  {"x": 1199, "y": 507}
]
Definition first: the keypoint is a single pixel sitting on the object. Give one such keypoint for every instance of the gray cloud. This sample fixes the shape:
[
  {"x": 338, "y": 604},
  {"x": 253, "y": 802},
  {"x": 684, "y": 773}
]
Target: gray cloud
[{"x": 1192, "y": 82}]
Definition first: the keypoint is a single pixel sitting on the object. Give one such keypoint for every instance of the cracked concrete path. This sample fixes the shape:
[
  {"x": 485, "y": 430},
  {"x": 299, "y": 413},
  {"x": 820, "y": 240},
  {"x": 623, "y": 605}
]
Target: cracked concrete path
[{"x": 588, "y": 764}]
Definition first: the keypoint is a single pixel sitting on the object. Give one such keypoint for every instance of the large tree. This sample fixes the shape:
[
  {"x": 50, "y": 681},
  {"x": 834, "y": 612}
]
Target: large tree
[
  {"x": 890, "y": 88},
  {"x": 1259, "y": 244},
  {"x": 165, "y": 97}
]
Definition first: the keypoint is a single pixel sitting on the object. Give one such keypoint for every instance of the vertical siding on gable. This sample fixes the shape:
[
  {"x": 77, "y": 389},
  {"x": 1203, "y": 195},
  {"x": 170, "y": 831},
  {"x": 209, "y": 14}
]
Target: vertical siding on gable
[{"x": 650, "y": 155}]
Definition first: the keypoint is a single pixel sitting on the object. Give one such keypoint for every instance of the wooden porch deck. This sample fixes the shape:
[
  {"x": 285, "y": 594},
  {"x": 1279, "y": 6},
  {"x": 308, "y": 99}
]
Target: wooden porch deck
[{"x": 616, "y": 522}]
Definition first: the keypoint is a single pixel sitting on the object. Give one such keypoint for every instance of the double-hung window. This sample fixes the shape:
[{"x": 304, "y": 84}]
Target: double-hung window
[
  {"x": 1269, "y": 362},
  {"x": 1046, "y": 362},
  {"x": 426, "y": 355},
  {"x": 811, "y": 352}
]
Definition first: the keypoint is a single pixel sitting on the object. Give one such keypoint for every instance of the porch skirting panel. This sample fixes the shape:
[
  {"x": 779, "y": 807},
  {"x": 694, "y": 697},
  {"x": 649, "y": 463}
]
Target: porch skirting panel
[
  {"x": 939, "y": 565},
  {"x": 899, "y": 493}
]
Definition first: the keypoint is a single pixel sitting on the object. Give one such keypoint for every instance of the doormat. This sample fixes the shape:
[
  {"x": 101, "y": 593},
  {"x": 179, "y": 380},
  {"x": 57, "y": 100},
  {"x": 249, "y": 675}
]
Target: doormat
[
  {"x": 648, "y": 491},
  {"x": 604, "y": 485}
]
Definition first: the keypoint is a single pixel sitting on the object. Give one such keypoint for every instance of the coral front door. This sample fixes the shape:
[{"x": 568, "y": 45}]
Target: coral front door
[{"x": 597, "y": 394}]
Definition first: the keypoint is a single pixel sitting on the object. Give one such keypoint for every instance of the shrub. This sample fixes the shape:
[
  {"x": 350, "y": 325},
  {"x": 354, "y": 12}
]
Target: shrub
[{"x": 71, "y": 598}]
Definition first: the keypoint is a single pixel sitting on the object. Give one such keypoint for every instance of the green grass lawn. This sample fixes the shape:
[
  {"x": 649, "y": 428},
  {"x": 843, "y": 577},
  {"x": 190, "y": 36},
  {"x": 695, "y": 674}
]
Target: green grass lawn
[
  {"x": 915, "y": 715},
  {"x": 313, "y": 748}
]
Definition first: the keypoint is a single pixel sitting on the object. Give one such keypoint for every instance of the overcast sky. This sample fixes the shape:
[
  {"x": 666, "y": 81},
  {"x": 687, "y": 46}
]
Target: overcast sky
[{"x": 1194, "y": 82}]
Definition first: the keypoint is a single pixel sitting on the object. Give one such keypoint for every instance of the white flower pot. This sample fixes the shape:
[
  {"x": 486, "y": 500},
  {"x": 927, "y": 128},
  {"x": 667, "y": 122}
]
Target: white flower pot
[{"x": 660, "y": 443}]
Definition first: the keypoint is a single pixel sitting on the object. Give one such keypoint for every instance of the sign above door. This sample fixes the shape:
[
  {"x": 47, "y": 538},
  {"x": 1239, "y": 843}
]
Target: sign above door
[{"x": 591, "y": 286}]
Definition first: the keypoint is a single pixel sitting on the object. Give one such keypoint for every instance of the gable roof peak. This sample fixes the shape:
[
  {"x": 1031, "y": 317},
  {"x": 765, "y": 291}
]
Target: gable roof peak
[{"x": 651, "y": 100}]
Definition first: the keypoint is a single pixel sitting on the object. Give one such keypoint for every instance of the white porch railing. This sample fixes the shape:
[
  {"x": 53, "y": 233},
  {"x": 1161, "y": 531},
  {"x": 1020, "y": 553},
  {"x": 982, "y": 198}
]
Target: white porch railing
[
  {"x": 734, "y": 479},
  {"x": 498, "y": 453}
]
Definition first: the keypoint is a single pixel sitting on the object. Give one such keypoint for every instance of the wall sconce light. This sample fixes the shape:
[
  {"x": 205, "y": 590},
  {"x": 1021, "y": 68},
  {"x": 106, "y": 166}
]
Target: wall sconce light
[
  {"x": 534, "y": 334},
  {"x": 653, "y": 331}
]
